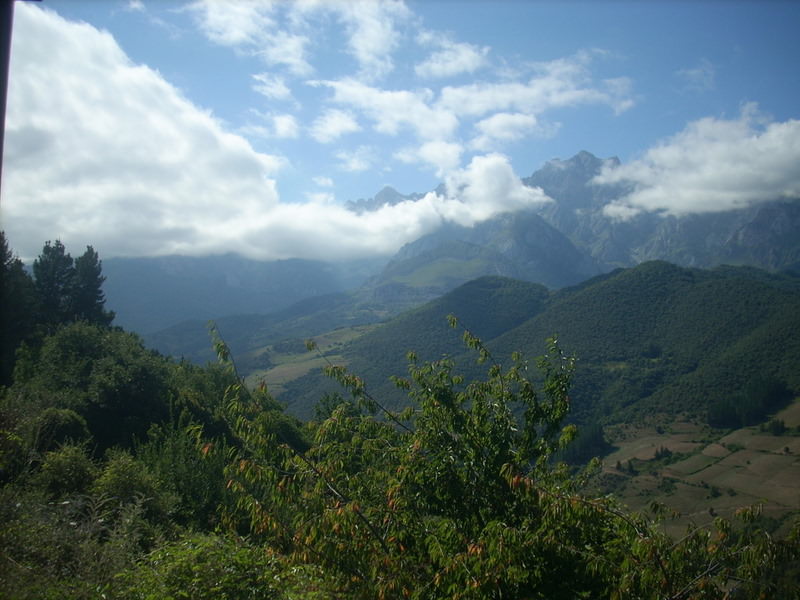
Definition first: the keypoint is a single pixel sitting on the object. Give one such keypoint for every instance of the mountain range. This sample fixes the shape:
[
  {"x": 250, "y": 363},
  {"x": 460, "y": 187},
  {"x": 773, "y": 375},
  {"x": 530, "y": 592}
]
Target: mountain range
[{"x": 559, "y": 244}]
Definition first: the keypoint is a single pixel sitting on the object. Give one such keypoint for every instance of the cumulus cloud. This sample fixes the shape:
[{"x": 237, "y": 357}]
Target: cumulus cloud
[
  {"x": 233, "y": 23},
  {"x": 275, "y": 30},
  {"x": 713, "y": 165},
  {"x": 102, "y": 151},
  {"x": 486, "y": 187},
  {"x": 271, "y": 126},
  {"x": 105, "y": 152},
  {"x": 135, "y": 6},
  {"x": 333, "y": 124},
  {"x": 285, "y": 126},
  {"x": 451, "y": 58}
]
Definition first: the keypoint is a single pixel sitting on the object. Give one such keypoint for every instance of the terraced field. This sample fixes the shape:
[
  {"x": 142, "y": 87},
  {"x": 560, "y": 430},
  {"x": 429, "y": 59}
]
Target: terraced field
[
  {"x": 290, "y": 359},
  {"x": 702, "y": 474}
]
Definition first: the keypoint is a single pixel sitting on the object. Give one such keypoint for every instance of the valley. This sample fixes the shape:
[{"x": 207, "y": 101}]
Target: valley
[{"x": 682, "y": 359}]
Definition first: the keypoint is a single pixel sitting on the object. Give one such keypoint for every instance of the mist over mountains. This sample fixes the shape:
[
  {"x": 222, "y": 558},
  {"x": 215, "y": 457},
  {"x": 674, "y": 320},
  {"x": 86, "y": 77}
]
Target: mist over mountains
[{"x": 556, "y": 244}]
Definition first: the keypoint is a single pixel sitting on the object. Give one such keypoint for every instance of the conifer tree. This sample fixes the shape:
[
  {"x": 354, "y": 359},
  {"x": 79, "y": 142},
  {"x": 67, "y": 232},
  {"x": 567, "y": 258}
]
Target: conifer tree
[
  {"x": 54, "y": 277},
  {"x": 18, "y": 307},
  {"x": 88, "y": 301}
]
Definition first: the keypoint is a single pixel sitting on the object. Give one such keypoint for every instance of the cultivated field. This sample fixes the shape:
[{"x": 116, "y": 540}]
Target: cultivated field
[{"x": 702, "y": 473}]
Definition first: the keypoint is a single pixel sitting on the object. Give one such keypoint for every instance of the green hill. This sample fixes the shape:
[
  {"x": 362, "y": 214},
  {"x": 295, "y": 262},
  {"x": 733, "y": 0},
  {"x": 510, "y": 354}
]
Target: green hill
[
  {"x": 488, "y": 306},
  {"x": 656, "y": 337},
  {"x": 670, "y": 338}
]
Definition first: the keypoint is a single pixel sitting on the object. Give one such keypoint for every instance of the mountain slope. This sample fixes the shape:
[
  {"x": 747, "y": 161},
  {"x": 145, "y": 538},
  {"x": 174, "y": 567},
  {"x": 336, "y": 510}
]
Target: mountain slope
[
  {"x": 519, "y": 245},
  {"x": 488, "y": 306},
  {"x": 656, "y": 337},
  {"x": 763, "y": 235},
  {"x": 150, "y": 294}
]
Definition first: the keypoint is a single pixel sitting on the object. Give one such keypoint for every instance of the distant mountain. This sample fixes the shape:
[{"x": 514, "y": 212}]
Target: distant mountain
[
  {"x": 559, "y": 244},
  {"x": 150, "y": 294},
  {"x": 653, "y": 338},
  {"x": 247, "y": 334},
  {"x": 387, "y": 196},
  {"x": 763, "y": 235},
  {"x": 519, "y": 245}
]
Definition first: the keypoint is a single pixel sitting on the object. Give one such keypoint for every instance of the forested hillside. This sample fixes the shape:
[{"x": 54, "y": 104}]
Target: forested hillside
[
  {"x": 653, "y": 337},
  {"x": 128, "y": 475}
]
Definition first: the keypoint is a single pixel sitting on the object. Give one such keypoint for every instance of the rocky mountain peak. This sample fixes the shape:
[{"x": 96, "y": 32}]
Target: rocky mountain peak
[{"x": 387, "y": 195}]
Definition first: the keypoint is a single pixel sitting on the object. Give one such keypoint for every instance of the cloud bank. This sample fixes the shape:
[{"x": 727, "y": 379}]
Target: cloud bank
[
  {"x": 713, "y": 165},
  {"x": 103, "y": 151}
]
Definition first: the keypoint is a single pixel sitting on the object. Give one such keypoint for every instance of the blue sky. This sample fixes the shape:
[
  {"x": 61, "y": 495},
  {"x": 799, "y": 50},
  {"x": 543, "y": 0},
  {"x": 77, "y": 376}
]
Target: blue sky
[{"x": 207, "y": 126}]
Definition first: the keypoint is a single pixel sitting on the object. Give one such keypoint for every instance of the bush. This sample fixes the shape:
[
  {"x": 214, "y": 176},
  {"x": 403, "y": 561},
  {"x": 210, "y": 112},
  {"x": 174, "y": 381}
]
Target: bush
[
  {"x": 66, "y": 471},
  {"x": 67, "y": 549},
  {"x": 56, "y": 426},
  {"x": 215, "y": 567},
  {"x": 195, "y": 477},
  {"x": 128, "y": 481}
]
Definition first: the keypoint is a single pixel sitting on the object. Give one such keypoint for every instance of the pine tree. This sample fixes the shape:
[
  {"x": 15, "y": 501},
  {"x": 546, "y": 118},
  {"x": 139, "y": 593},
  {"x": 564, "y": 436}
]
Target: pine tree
[
  {"x": 88, "y": 299},
  {"x": 18, "y": 306},
  {"x": 54, "y": 277}
]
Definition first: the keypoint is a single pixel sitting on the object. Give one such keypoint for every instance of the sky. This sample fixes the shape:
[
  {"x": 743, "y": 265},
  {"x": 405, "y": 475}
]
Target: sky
[{"x": 159, "y": 127}]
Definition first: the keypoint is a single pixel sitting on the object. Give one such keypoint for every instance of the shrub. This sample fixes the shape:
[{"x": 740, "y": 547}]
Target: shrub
[
  {"x": 128, "y": 481},
  {"x": 56, "y": 426},
  {"x": 66, "y": 471},
  {"x": 217, "y": 567}
]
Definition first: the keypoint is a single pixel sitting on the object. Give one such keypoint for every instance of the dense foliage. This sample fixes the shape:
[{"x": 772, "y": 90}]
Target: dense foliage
[
  {"x": 62, "y": 290},
  {"x": 653, "y": 338},
  {"x": 127, "y": 475},
  {"x": 457, "y": 497}
]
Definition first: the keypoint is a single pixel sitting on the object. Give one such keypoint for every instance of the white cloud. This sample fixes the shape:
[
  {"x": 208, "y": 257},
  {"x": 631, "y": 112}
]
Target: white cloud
[
  {"x": 285, "y": 126},
  {"x": 390, "y": 110},
  {"x": 251, "y": 26},
  {"x": 278, "y": 31},
  {"x": 357, "y": 160},
  {"x": 101, "y": 151},
  {"x": 323, "y": 181},
  {"x": 452, "y": 58},
  {"x": 233, "y": 23},
  {"x": 321, "y": 197},
  {"x": 443, "y": 156},
  {"x": 558, "y": 83},
  {"x": 371, "y": 26},
  {"x": 272, "y": 86},
  {"x": 486, "y": 187},
  {"x": 283, "y": 48},
  {"x": 105, "y": 152},
  {"x": 503, "y": 127},
  {"x": 333, "y": 124},
  {"x": 271, "y": 126},
  {"x": 713, "y": 165}
]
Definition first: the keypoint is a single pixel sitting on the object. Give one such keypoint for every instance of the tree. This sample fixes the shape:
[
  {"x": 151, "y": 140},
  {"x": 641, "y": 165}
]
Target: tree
[
  {"x": 18, "y": 307},
  {"x": 54, "y": 276},
  {"x": 458, "y": 497},
  {"x": 106, "y": 376},
  {"x": 88, "y": 300}
]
